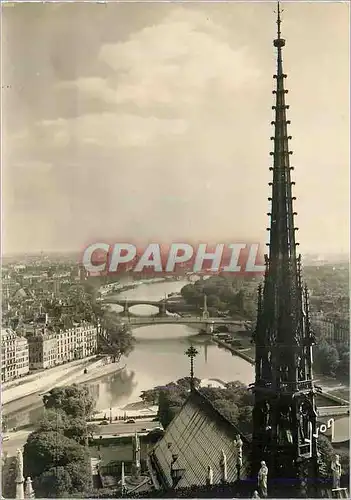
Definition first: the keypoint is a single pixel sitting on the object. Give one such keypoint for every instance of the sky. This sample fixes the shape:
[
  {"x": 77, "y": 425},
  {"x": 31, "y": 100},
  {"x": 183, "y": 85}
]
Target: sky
[{"x": 140, "y": 122}]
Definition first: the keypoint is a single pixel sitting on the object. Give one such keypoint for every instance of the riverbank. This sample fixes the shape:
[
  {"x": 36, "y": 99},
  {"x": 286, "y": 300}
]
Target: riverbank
[
  {"x": 332, "y": 389},
  {"x": 113, "y": 288},
  {"x": 237, "y": 351},
  {"x": 44, "y": 381}
]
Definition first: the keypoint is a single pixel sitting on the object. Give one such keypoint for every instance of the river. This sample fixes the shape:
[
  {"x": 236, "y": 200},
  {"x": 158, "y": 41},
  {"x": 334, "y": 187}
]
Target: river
[{"x": 159, "y": 357}]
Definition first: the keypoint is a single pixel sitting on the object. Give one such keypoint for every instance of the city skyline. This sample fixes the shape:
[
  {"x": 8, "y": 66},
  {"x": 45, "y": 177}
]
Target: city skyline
[{"x": 137, "y": 122}]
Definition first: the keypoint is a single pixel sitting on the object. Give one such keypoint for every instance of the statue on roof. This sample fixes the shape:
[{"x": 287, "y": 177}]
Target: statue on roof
[
  {"x": 223, "y": 467},
  {"x": 239, "y": 454},
  {"x": 209, "y": 478},
  {"x": 28, "y": 490},
  {"x": 336, "y": 470},
  {"x": 262, "y": 479},
  {"x": 19, "y": 475}
]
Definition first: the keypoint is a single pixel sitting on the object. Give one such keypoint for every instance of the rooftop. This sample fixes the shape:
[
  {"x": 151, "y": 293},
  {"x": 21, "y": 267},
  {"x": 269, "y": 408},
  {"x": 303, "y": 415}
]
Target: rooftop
[{"x": 209, "y": 432}]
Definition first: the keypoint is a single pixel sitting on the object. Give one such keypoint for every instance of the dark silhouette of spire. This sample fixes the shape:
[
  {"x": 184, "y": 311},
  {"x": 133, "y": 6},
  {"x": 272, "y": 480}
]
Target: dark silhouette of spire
[{"x": 284, "y": 413}]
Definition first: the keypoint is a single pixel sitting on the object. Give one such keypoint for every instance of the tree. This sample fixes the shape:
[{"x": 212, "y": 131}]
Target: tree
[
  {"x": 74, "y": 400},
  {"x": 344, "y": 365},
  {"x": 75, "y": 428},
  {"x": 326, "y": 358},
  {"x": 245, "y": 419},
  {"x": 234, "y": 401},
  {"x": 53, "y": 483},
  {"x": 119, "y": 334},
  {"x": 240, "y": 300},
  {"x": 80, "y": 475},
  {"x": 213, "y": 301},
  {"x": 326, "y": 454},
  {"x": 52, "y": 421},
  {"x": 8, "y": 476},
  {"x": 228, "y": 409},
  {"x": 150, "y": 396},
  {"x": 171, "y": 399},
  {"x": 44, "y": 450},
  {"x": 185, "y": 382},
  {"x": 192, "y": 295}
]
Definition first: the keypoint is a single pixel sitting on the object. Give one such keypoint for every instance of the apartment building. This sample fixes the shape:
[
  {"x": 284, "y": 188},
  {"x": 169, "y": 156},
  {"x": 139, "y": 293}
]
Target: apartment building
[
  {"x": 333, "y": 330},
  {"x": 42, "y": 350},
  {"x": 22, "y": 356},
  {"x": 14, "y": 355},
  {"x": 76, "y": 343}
]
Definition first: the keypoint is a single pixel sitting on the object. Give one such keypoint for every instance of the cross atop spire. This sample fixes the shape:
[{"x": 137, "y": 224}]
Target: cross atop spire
[
  {"x": 191, "y": 353},
  {"x": 279, "y": 21}
]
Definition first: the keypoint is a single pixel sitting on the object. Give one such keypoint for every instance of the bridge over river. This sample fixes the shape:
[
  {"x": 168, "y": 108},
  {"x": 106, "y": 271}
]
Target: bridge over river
[
  {"x": 126, "y": 304},
  {"x": 208, "y": 324},
  {"x": 163, "y": 318}
]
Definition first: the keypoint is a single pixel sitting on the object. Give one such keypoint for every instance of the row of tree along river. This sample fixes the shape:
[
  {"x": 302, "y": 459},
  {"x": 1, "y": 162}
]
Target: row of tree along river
[{"x": 158, "y": 358}]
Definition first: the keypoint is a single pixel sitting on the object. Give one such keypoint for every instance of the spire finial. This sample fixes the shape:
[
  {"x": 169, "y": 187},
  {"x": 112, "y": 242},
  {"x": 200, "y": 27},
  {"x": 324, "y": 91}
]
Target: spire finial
[
  {"x": 279, "y": 21},
  {"x": 279, "y": 42}
]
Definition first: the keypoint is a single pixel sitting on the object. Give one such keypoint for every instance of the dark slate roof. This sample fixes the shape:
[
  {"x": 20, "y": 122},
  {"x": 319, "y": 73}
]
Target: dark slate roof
[{"x": 198, "y": 434}]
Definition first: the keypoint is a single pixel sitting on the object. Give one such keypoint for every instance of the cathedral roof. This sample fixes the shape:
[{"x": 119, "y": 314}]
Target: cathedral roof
[{"x": 197, "y": 435}]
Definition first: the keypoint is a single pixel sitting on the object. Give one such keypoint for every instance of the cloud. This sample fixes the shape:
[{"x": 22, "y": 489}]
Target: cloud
[
  {"x": 163, "y": 131},
  {"x": 172, "y": 63},
  {"x": 107, "y": 130},
  {"x": 177, "y": 64}
]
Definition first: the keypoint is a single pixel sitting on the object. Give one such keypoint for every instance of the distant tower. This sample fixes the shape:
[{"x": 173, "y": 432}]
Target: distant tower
[
  {"x": 205, "y": 313},
  {"x": 82, "y": 273},
  {"x": 108, "y": 261},
  {"x": 284, "y": 415},
  {"x": 56, "y": 286}
]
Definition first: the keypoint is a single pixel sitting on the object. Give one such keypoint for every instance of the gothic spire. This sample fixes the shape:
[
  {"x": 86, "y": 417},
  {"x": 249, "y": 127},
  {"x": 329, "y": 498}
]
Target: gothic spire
[
  {"x": 284, "y": 389},
  {"x": 282, "y": 253}
]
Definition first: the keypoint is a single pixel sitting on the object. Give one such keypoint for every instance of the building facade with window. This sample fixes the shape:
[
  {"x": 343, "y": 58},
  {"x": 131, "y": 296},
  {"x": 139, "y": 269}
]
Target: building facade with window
[
  {"x": 76, "y": 343},
  {"x": 42, "y": 350},
  {"x": 334, "y": 330},
  {"x": 14, "y": 355},
  {"x": 8, "y": 354},
  {"x": 22, "y": 356}
]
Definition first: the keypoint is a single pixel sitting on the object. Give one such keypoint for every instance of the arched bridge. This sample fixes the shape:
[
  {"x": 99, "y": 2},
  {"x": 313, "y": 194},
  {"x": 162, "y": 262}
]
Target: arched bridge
[{"x": 127, "y": 303}]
